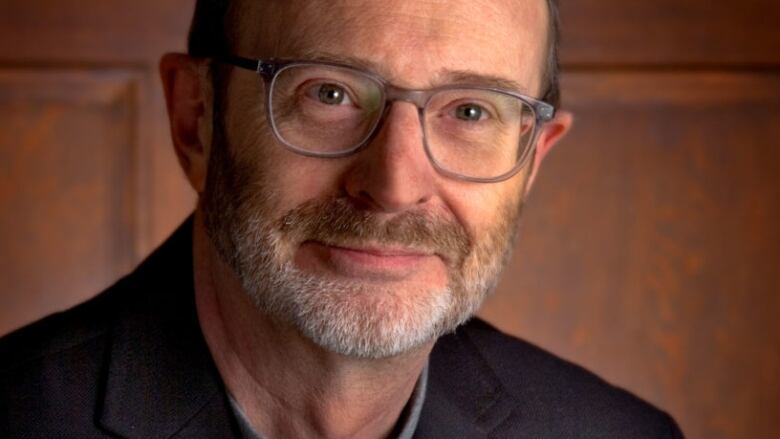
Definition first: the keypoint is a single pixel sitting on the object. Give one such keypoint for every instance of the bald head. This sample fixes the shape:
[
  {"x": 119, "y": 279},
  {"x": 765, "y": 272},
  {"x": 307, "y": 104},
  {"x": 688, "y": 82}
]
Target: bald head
[{"x": 222, "y": 27}]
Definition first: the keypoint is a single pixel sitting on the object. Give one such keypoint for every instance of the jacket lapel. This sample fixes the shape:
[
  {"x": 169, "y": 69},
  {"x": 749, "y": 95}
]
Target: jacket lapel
[
  {"x": 161, "y": 380},
  {"x": 464, "y": 399}
]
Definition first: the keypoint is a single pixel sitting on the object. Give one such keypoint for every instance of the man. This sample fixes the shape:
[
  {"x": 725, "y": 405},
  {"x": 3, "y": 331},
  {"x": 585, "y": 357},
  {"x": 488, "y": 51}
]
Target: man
[{"x": 360, "y": 168}]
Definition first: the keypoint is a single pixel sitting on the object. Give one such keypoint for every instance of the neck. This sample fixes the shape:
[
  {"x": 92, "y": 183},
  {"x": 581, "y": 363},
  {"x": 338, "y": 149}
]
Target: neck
[{"x": 286, "y": 385}]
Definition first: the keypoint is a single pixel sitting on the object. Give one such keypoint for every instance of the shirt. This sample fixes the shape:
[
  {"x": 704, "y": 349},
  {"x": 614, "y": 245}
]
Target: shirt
[{"x": 406, "y": 426}]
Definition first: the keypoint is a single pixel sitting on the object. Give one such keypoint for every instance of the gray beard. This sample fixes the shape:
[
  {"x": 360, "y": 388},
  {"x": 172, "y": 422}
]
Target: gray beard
[{"x": 349, "y": 317}]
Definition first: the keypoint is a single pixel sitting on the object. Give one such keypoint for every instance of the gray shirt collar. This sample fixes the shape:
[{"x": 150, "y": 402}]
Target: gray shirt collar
[{"x": 406, "y": 426}]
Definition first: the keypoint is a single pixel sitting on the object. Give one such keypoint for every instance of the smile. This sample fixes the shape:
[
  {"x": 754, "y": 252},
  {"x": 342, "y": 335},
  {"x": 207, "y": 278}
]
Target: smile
[{"x": 369, "y": 262}]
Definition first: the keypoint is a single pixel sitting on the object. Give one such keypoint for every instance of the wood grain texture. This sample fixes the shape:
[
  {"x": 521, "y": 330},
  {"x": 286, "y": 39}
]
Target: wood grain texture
[
  {"x": 109, "y": 34},
  {"x": 66, "y": 187},
  {"x": 670, "y": 33},
  {"x": 90, "y": 31},
  {"x": 650, "y": 245}
]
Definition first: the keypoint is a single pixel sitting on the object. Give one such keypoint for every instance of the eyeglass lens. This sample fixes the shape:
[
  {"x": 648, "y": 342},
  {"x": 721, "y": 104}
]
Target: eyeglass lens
[{"x": 472, "y": 132}]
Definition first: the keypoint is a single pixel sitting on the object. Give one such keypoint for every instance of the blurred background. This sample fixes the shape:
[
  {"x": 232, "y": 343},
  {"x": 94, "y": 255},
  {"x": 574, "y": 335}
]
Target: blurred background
[{"x": 649, "y": 250}]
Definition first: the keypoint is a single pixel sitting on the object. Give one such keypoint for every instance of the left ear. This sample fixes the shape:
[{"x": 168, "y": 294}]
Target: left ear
[{"x": 552, "y": 132}]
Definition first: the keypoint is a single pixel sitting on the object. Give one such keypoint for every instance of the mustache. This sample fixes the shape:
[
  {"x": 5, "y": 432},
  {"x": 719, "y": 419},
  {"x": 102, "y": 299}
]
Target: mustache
[{"x": 339, "y": 221}]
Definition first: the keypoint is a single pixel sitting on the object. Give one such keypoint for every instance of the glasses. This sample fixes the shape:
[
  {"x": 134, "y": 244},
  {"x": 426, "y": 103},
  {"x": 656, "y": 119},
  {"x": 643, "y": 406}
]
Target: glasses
[{"x": 329, "y": 110}]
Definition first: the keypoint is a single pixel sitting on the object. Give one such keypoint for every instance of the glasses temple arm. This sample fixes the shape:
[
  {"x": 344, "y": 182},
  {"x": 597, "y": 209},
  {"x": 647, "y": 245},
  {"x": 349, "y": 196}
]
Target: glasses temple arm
[{"x": 255, "y": 65}]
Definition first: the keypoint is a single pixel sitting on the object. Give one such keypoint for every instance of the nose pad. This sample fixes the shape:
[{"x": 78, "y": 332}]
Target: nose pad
[{"x": 392, "y": 172}]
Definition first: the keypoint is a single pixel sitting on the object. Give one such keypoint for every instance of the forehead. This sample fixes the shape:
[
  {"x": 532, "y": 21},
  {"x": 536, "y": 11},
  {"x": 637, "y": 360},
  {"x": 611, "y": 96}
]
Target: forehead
[{"x": 411, "y": 42}]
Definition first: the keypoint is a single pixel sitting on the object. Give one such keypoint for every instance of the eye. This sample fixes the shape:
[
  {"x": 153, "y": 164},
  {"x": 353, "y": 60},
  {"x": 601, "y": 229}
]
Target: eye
[
  {"x": 329, "y": 94},
  {"x": 470, "y": 112}
]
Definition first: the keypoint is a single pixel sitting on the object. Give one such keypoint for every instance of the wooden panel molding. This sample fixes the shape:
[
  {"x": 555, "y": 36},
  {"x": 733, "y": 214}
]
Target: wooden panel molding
[{"x": 67, "y": 186}]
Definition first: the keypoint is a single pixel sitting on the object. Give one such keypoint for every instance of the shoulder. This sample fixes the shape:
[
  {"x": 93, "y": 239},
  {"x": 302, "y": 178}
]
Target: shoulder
[
  {"x": 50, "y": 372},
  {"x": 167, "y": 268},
  {"x": 555, "y": 395},
  {"x": 61, "y": 332}
]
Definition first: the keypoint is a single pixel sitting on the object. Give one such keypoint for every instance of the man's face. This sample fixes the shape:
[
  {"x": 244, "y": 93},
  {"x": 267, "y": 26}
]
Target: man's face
[{"x": 373, "y": 254}]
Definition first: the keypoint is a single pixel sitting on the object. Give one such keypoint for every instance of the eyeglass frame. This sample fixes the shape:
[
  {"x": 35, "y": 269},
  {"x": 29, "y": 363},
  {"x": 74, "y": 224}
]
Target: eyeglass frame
[{"x": 268, "y": 69}]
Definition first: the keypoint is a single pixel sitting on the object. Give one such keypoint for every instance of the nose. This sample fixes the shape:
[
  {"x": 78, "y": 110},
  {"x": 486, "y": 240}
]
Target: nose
[{"x": 393, "y": 173}]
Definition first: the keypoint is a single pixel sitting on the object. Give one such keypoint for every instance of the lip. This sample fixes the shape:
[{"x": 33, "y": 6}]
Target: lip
[
  {"x": 369, "y": 261},
  {"x": 385, "y": 252}
]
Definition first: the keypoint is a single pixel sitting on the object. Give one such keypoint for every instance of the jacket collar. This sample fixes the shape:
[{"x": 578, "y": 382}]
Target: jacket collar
[
  {"x": 465, "y": 399},
  {"x": 161, "y": 380}
]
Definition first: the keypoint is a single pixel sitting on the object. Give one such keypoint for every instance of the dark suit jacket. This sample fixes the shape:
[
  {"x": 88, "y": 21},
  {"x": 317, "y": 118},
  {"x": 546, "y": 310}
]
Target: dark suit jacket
[{"x": 132, "y": 363}]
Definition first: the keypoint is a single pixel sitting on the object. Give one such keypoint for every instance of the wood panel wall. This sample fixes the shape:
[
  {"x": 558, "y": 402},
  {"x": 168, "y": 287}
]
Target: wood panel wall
[
  {"x": 648, "y": 250},
  {"x": 651, "y": 244},
  {"x": 88, "y": 181}
]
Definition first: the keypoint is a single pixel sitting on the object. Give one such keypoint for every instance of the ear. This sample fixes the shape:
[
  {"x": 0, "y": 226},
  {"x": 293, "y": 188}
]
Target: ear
[
  {"x": 552, "y": 132},
  {"x": 188, "y": 98}
]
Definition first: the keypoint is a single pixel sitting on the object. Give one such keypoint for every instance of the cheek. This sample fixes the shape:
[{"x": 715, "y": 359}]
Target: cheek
[
  {"x": 482, "y": 208},
  {"x": 296, "y": 179},
  {"x": 313, "y": 177},
  {"x": 288, "y": 179}
]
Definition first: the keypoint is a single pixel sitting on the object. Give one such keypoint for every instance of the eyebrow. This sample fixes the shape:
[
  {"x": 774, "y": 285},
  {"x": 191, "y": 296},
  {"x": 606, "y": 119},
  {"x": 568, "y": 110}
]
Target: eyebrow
[
  {"x": 473, "y": 78},
  {"x": 444, "y": 76}
]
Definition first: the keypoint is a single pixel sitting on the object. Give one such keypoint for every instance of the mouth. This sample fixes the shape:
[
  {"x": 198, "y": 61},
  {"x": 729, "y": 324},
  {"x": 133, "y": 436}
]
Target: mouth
[
  {"x": 382, "y": 251},
  {"x": 366, "y": 261}
]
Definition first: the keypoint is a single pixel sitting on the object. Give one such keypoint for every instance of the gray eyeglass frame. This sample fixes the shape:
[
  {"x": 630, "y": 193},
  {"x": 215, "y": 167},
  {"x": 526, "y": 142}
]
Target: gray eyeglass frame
[{"x": 270, "y": 68}]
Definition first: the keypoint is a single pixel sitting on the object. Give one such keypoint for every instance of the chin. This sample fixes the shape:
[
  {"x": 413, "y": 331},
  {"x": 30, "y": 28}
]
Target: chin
[{"x": 361, "y": 319}]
